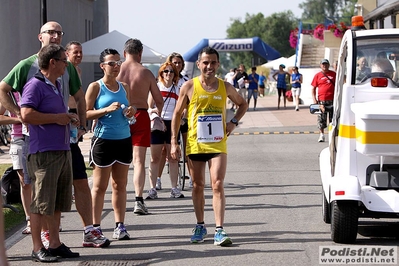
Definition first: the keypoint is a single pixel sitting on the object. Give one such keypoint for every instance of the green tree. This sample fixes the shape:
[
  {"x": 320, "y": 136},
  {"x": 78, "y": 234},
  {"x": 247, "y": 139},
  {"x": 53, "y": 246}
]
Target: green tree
[
  {"x": 317, "y": 11},
  {"x": 273, "y": 30}
]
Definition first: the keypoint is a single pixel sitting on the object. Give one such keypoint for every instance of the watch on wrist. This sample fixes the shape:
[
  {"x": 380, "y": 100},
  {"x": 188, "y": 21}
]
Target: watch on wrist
[
  {"x": 234, "y": 121},
  {"x": 82, "y": 128}
]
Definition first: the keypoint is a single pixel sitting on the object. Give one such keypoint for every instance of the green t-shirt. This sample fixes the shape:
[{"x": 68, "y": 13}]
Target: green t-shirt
[{"x": 28, "y": 67}]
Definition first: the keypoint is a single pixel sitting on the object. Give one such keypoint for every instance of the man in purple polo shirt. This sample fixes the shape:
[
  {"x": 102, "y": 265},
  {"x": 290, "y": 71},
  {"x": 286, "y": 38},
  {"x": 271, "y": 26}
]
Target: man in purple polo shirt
[{"x": 49, "y": 163}]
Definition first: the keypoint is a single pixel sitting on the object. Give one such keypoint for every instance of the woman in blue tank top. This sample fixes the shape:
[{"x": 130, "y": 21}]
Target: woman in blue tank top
[
  {"x": 111, "y": 147},
  {"x": 281, "y": 84},
  {"x": 296, "y": 81}
]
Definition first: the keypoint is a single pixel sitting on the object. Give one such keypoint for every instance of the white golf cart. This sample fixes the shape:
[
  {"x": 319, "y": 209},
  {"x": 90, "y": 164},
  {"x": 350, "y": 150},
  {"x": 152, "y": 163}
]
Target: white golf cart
[{"x": 360, "y": 168}]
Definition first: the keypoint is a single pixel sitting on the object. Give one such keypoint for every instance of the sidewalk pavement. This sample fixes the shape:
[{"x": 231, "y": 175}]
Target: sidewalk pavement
[{"x": 266, "y": 119}]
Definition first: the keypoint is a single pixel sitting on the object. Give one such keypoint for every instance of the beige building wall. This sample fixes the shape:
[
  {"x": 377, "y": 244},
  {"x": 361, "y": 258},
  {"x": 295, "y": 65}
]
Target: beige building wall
[{"x": 20, "y": 22}]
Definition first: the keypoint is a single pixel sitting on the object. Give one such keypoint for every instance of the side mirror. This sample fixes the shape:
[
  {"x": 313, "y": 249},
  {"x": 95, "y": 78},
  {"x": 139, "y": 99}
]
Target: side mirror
[{"x": 314, "y": 108}]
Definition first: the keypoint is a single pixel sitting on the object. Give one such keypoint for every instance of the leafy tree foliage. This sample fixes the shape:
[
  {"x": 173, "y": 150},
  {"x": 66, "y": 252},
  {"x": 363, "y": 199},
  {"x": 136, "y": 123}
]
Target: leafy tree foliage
[
  {"x": 273, "y": 30},
  {"x": 317, "y": 11}
]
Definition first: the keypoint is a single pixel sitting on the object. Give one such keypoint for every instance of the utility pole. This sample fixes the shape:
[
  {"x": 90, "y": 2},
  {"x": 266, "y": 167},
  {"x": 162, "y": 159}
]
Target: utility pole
[{"x": 43, "y": 4}]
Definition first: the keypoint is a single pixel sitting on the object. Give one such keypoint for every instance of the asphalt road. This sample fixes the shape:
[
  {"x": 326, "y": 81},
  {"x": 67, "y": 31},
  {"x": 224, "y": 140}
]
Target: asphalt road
[{"x": 273, "y": 213}]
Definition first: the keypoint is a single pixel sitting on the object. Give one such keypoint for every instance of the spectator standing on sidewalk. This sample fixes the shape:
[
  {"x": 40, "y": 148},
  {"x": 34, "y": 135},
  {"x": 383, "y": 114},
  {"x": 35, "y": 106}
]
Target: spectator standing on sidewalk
[
  {"x": 205, "y": 99},
  {"x": 51, "y": 32},
  {"x": 230, "y": 77},
  {"x": 141, "y": 82},
  {"x": 111, "y": 150},
  {"x": 84, "y": 206},
  {"x": 261, "y": 84},
  {"x": 281, "y": 84},
  {"x": 18, "y": 157},
  {"x": 296, "y": 81},
  {"x": 49, "y": 162},
  {"x": 167, "y": 82},
  {"x": 178, "y": 61},
  {"x": 324, "y": 82},
  {"x": 240, "y": 80},
  {"x": 253, "y": 79}
]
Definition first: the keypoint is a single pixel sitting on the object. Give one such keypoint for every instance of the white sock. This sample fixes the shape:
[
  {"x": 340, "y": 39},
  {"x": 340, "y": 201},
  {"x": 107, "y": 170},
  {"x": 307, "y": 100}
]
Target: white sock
[{"x": 88, "y": 228}]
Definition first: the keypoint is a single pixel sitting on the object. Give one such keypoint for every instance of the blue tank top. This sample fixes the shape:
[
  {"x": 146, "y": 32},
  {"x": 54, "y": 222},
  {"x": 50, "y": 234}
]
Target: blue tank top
[
  {"x": 113, "y": 125},
  {"x": 281, "y": 81},
  {"x": 296, "y": 76}
]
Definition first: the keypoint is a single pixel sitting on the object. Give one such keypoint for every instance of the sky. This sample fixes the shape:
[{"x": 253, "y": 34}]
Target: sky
[{"x": 169, "y": 26}]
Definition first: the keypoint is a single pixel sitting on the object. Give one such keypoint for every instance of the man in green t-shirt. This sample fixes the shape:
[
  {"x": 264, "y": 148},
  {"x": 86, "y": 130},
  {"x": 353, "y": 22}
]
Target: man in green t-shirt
[{"x": 51, "y": 32}]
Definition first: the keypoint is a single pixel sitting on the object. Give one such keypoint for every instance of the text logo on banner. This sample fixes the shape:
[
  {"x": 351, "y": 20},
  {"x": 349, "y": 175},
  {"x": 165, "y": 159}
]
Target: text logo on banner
[{"x": 232, "y": 45}]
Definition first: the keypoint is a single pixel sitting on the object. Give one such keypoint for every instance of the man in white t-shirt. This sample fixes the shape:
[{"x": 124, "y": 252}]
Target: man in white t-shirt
[{"x": 229, "y": 77}]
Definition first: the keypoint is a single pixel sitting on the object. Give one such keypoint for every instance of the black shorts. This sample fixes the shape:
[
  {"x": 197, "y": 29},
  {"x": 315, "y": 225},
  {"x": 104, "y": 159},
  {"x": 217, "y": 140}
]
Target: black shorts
[
  {"x": 78, "y": 162},
  {"x": 203, "y": 157},
  {"x": 281, "y": 91},
  {"x": 262, "y": 86},
  {"x": 184, "y": 128},
  {"x": 105, "y": 152},
  {"x": 160, "y": 137}
]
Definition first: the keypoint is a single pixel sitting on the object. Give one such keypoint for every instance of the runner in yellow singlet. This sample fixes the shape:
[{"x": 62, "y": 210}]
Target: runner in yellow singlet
[{"x": 205, "y": 97}]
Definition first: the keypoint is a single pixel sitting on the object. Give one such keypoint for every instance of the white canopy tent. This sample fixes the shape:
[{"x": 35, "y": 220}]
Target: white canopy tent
[
  {"x": 288, "y": 62},
  {"x": 116, "y": 40}
]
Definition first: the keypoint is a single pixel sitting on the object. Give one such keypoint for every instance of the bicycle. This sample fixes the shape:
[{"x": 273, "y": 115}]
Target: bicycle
[
  {"x": 5, "y": 134},
  {"x": 182, "y": 163},
  {"x": 181, "y": 173}
]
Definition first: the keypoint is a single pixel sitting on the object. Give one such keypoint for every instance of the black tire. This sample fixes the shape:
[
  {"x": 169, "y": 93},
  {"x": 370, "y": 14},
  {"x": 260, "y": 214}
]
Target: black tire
[
  {"x": 182, "y": 164},
  {"x": 326, "y": 209},
  {"x": 344, "y": 221}
]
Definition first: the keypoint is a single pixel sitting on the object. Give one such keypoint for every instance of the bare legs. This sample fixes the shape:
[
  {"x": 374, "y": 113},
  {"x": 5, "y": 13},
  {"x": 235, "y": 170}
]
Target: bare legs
[
  {"x": 217, "y": 170},
  {"x": 139, "y": 169},
  {"x": 101, "y": 177}
]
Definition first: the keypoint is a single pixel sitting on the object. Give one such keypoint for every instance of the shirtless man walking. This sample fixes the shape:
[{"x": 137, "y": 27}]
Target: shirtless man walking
[{"x": 141, "y": 82}]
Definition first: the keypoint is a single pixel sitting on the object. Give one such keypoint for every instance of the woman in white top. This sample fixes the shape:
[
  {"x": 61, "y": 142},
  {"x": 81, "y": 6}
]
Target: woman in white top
[{"x": 168, "y": 78}]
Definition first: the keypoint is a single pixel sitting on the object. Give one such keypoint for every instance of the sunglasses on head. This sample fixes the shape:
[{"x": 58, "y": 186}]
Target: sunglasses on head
[
  {"x": 113, "y": 63},
  {"x": 166, "y": 71}
]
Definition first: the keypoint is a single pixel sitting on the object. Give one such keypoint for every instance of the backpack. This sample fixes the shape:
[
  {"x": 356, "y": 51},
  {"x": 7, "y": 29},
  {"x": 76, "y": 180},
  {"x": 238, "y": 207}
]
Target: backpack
[{"x": 10, "y": 187}]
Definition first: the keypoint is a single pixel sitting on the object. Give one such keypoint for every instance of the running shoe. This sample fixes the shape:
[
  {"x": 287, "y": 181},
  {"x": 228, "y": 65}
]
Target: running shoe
[
  {"x": 158, "y": 186},
  {"x": 45, "y": 236},
  {"x": 175, "y": 193},
  {"x": 152, "y": 194},
  {"x": 321, "y": 138},
  {"x": 95, "y": 239},
  {"x": 199, "y": 233},
  {"x": 221, "y": 238},
  {"x": 140, "y": 208},
  {"x": 120, "y": 233}
]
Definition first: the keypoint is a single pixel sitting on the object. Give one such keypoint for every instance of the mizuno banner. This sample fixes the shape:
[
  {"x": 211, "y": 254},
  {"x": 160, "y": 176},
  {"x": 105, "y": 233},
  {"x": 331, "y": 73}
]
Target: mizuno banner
[{"x": 234, "y": 45}]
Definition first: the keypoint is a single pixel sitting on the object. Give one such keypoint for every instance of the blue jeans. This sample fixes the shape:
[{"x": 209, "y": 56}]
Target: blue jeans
[{"x": 251, "y": 93}]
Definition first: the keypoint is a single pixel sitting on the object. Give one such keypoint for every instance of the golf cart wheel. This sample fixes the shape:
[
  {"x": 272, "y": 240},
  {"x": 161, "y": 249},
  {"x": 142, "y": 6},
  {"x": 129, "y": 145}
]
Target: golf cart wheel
[
  {"x": 344, "y": 221},
  {"x": 326, "y": 209}
]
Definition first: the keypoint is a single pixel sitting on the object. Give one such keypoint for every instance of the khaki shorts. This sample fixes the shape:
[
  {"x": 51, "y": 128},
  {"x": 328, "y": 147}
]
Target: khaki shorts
[{"x": 51, "y": 174}]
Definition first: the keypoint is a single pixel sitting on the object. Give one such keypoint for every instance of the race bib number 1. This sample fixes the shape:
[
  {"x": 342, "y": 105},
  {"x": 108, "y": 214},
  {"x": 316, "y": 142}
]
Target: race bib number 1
[{"x": 210, "y": 128}]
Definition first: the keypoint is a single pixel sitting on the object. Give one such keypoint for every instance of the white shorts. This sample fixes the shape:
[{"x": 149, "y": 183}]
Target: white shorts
[
  {"x": 16, "y": 154},
  {"x": 296, "y": 91}
]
